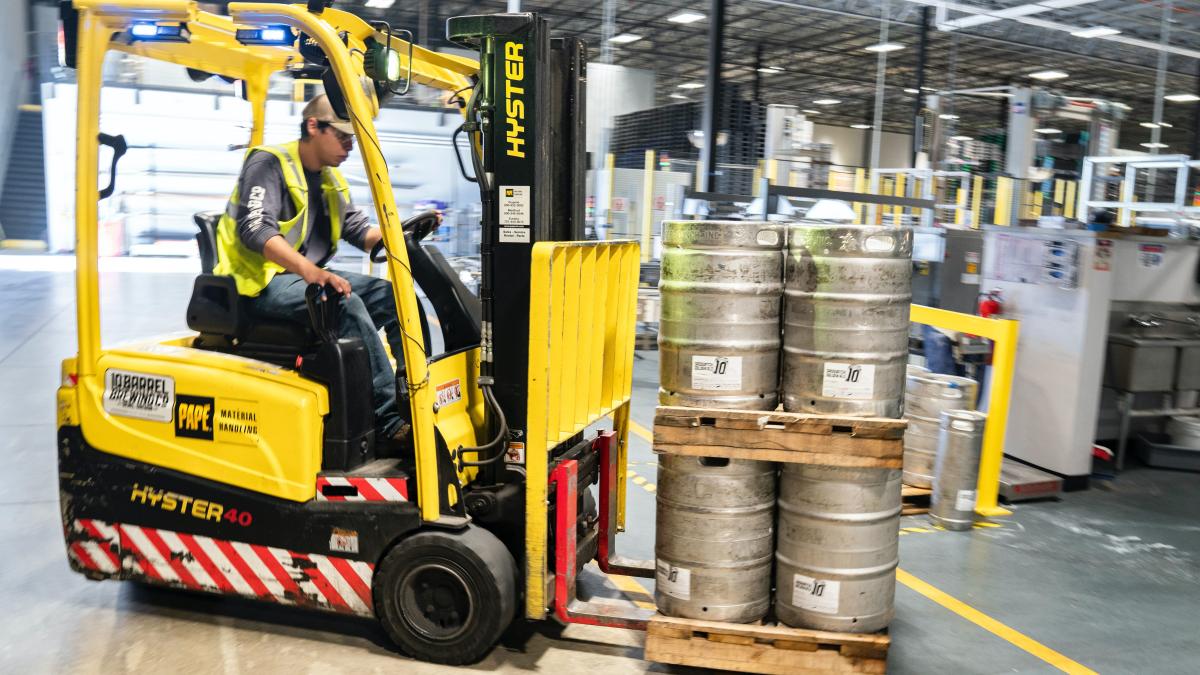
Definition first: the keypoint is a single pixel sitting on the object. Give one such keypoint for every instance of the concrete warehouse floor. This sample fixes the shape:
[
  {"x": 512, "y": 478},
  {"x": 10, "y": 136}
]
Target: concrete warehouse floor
[{"x": 1107, "y": 579}]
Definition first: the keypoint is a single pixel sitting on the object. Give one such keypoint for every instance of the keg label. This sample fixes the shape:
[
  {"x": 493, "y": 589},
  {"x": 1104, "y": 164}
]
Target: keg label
[
  {"x": 717, "y": 373},
  {"x": 816, "y": 595},
  {"x": 848, "y": 380},
  {"x": 965, "y": 501},
  {"x": 674, "y": 581}
]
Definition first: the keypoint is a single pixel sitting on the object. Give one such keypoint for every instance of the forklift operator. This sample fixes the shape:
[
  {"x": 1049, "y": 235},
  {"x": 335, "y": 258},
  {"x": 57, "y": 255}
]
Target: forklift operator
[{"x": 282, "y": 225}]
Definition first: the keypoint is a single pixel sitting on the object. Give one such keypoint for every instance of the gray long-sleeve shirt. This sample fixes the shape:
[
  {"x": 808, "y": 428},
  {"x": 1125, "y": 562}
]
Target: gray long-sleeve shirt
[{"x": 263, "y": 201}]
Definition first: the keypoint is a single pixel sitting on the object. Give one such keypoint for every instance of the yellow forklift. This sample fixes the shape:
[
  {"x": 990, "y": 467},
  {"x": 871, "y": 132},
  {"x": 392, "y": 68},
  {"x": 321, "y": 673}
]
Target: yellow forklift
[{"x": 240, "y": 459}]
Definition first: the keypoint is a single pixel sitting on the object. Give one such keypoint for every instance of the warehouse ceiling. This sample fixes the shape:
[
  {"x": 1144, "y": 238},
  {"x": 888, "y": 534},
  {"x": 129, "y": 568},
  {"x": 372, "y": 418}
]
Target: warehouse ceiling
[{"x": 819, "y": 45}]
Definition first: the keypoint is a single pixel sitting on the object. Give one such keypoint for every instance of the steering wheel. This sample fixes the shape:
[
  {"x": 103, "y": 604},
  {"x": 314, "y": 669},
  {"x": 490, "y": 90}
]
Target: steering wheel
[{"x": 415, "y": 229}]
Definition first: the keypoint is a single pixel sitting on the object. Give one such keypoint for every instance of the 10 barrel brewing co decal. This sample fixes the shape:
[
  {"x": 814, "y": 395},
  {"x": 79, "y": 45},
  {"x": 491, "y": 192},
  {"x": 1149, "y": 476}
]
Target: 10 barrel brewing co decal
[
  {"x": 142, "y": 396},
  {"x": 716, "y": 373}
]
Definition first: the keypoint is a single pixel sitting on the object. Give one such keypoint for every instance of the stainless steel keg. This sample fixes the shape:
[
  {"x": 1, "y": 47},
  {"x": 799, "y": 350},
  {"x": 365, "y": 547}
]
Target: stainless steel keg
[
  {"x": 714, "y": 538},
  {"x": 956, "y": 470},
  {"x": 927, "y": 395},
  {"x": 845, "y": 335},
  {"x": 719, "y": 331},
  {"x": 838, "y": 547}
]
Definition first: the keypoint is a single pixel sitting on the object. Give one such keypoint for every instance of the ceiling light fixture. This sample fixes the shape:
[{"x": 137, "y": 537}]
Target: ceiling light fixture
[
  {"x": 910, "y": 90},
  {"x": 1095, "y": 32},
  {"x": 691, "y": 85},
  {"x": 380, "y": 4},
  {"x": 947, "y": 116},
  {"x": 961, "y": 138},
  {"x": 1048, "y": 130},
  {"x": 1046, "y": 75},
  {"x": 624, "y": 38},
  {"x": 680, "y": 97},
  {"x": 1150, "y": 125},
  {"x": 686, "y": 17},
  {"x": 770, "y": 70},
  {"x": 1164, "y": 125},
  {"x": 1182, "y": 98},
  {"x": 827, "y": 101},
  {"x": 810, "y": 111},
  {"x": 1153, "y": 145},
  {"x": 885, "y": 47},
  {"x": 860, "y": 126}
]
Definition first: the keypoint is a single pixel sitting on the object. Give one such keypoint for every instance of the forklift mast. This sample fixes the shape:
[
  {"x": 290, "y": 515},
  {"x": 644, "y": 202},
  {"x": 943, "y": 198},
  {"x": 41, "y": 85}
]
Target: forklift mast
[{"x": 527, "y": 115}]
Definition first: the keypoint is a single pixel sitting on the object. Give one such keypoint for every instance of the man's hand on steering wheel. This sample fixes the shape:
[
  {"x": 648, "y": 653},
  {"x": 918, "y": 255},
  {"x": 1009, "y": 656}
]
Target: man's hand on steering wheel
[{"x": 415, "y": 229}]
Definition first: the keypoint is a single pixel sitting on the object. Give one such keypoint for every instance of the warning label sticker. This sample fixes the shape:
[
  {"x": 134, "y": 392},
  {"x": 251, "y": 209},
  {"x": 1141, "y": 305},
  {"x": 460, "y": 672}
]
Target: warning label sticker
[
  {"x": 848, "y": 380},
  {"x": 717, "y": 373},
  {"x": 674, "y": 581},
  {"x": 139, "y": 395},
  {"x": 343, "y": 541},
  {"x": 514, "y": 205},
  {"x": 816, "y": 595},
  {"x": 514, "y": 453},
  {"x": 514, "y": 235},
  {"x": 449, "y": 392}
]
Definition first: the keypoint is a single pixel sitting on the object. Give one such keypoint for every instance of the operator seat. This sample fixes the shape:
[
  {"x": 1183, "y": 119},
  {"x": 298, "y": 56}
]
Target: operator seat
[{"x": 219, "y": 314}]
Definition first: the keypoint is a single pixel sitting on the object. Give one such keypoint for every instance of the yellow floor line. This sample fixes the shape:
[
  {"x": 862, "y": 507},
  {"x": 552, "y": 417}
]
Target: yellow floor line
[
  {"x": 632, "y": 590},
  {"x": 641, "y": 431},
  {"x": 993, "y": 626}
]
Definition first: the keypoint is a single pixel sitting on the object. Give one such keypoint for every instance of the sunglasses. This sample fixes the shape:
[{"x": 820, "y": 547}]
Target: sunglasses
[{"x": 342, "y": 137}]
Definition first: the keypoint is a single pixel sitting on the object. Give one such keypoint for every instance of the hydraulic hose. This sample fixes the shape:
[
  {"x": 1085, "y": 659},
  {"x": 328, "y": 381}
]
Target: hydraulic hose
[{"x": 501, "y": 434}]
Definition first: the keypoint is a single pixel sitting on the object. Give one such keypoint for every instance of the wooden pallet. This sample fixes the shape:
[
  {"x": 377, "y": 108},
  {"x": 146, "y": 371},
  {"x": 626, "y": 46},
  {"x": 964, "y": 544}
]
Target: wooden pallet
[
  {"x": 777, "y": 436},
  {"x": 915, "y": 500},
  {"x": 766, "y": 649}
]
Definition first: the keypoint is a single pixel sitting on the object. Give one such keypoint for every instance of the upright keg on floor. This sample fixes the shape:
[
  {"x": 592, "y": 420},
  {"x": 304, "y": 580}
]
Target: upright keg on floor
[
  {"x": 838, "y": 547},
  {"x": 956, "y": 472},
  {"x": 714, "y": 537},
  {"x": 718, "y": 338},
  {"x": 927, "y": 396},
  {"x": 845, "y": 332}
]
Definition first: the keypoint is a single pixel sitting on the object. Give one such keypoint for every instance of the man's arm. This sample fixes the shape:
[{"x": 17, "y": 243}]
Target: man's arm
[
  {"x": 261, "y": 191},
  {"x": 278, "y": 251}
]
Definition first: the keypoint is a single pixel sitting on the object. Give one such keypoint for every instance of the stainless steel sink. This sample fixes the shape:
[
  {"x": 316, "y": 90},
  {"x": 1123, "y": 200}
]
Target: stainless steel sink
[{"x": 1155, "y": 362}]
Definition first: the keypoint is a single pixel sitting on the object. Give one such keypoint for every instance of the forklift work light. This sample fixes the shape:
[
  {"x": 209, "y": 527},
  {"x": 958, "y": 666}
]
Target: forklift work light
[
  {"x": 148, "y": 31},
  {"x": 381, "y": 63},
  {"x": 266, "y": 35}
]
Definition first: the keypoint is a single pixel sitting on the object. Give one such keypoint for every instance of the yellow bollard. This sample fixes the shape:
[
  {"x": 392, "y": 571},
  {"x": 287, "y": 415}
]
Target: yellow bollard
[{"x": 647, "y": 205}]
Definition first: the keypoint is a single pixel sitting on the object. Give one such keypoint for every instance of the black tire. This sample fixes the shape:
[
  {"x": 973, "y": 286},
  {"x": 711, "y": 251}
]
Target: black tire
[{"x": 445, "y": 597}]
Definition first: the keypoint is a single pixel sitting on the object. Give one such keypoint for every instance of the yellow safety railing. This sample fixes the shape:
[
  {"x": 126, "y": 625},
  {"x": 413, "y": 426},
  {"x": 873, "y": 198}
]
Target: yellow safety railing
[
  {"x": 1003, "y": 332},
  {"x": 582, "y": 313}
]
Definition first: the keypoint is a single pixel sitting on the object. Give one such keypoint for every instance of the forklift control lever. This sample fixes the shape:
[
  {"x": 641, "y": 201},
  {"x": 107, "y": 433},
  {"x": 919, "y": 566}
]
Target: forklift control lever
[
  {"x": 321, "y": 309},
  {"x": 117, "y": 143}
]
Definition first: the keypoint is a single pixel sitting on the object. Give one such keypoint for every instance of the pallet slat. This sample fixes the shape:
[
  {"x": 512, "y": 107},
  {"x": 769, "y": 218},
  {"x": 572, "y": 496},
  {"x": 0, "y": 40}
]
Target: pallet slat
[
  {"x": 916, "y": 500},
  {"x": 777, "y": 436},
  {"x": 763, "y": 649}
]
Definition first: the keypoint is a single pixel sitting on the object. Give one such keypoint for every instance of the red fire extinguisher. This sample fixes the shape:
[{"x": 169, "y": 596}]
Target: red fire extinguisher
[{"x": 991, "y": 303}]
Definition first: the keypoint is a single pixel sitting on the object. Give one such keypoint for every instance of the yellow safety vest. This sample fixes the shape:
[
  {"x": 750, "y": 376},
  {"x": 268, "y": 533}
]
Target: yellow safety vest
[{"x": 250, "y": 269}]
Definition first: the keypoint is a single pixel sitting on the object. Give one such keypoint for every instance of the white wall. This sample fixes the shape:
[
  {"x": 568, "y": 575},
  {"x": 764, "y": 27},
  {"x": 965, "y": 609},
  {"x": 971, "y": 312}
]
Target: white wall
[
  {"x": 611, "y": 91},
  {"x": 849, "y": 145}
]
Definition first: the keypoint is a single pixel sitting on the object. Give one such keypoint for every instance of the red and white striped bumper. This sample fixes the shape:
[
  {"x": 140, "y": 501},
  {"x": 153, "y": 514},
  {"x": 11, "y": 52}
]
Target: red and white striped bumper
[
  {"x": 358, "y": 489},
  {"x": 219, "y": 566}
]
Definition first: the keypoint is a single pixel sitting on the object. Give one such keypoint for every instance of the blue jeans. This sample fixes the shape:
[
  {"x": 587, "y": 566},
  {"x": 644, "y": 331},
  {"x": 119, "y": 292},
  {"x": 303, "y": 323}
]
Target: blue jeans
[{"x": 369, "y": 307}]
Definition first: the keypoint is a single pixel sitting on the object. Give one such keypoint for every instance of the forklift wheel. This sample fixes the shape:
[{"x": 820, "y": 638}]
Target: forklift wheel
[{"x": 445, "y": 597}]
